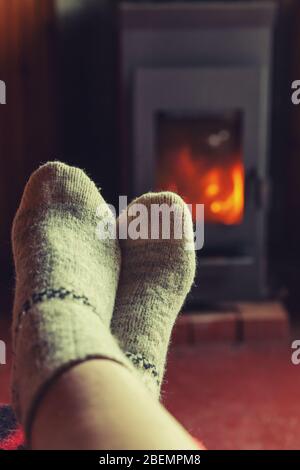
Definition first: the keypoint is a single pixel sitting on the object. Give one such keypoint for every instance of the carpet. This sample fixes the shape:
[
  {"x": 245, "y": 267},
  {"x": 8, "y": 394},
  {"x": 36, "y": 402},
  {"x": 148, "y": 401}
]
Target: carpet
[{"x": 11, "y": 434}]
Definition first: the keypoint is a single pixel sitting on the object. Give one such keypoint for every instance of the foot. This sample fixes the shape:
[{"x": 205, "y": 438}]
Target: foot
[
  {"x": 66, "y": 282},
  {"x": 156, "y": 276}
]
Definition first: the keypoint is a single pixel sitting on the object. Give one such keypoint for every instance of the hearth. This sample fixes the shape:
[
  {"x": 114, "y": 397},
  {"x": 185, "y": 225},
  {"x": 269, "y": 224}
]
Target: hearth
[{"x": 195, "y": 87}]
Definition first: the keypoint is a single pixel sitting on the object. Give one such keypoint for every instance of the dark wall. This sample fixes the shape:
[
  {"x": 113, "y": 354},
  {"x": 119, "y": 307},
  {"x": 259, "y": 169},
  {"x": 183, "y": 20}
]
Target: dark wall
[
  {"x": 58, "y": 59},
  {"x": 88, "y": 90},
  {"x": 27, "y": 121}
]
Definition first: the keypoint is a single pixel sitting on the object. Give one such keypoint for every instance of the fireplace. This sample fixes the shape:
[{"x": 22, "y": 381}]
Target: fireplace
[
  {"x": 195, "y": 87},
  {"x": 200, "y": 157}
]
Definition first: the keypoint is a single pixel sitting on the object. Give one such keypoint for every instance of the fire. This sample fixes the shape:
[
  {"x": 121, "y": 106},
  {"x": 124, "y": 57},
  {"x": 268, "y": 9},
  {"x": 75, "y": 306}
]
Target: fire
[{"x": 219, "y": 187}]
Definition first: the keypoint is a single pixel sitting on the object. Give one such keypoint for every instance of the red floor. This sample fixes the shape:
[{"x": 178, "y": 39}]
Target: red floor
[
  {"x": 229, "y": 397},
  {"x": 237, "y": 397}
]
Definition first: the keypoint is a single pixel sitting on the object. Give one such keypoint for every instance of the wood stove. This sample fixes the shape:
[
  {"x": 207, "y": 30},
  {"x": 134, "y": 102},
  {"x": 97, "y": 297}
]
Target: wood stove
[{"x": 195, "y": 87}]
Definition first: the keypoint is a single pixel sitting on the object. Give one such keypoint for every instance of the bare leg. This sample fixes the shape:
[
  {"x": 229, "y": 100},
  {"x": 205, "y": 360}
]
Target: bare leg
[{"x": 101, "y": 405}]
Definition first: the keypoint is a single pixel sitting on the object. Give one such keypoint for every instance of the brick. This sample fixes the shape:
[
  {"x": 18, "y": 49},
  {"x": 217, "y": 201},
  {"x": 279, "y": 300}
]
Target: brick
[
  {"x": 264, "y": 321},
  {"x": 212, "y": 327},
  {"x": 202, "y": 327}
]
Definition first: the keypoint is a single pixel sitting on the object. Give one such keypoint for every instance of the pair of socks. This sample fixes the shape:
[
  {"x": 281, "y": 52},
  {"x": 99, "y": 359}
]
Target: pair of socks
[{"x": 79, "y": 296}]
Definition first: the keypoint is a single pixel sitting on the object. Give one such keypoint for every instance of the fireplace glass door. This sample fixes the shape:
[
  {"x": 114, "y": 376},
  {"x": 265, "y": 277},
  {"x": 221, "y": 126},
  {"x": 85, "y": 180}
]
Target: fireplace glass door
[{"x": 200, "y": 157}]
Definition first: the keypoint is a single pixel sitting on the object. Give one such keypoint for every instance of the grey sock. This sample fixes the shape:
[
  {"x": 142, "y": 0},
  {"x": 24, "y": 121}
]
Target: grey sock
[
  {"x": 66, "y": 282},
  {"x": 156, "y": 276}
]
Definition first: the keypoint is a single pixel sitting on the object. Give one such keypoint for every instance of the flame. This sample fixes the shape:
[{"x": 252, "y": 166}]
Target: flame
[{"x": 219, "y": 187}]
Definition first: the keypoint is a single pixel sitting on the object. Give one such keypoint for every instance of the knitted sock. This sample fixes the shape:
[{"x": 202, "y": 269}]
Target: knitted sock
[
  {"x": 156, "y": 276},
  {"x": 66, "y": 281}
]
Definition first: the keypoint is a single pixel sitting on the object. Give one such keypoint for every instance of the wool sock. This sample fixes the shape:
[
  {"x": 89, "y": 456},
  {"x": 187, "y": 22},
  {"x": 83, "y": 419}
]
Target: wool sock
[
  {"x": 66, "y": 282},
  {"x": 156, "y": 275}
]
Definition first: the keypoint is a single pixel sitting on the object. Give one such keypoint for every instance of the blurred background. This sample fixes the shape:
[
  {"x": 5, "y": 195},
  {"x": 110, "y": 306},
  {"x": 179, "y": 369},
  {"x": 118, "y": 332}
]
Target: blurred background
[
  {"x": 58, "y": 61},
  {"x": 61, "y": 61},
  {"x": 82, "y": 83}
]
